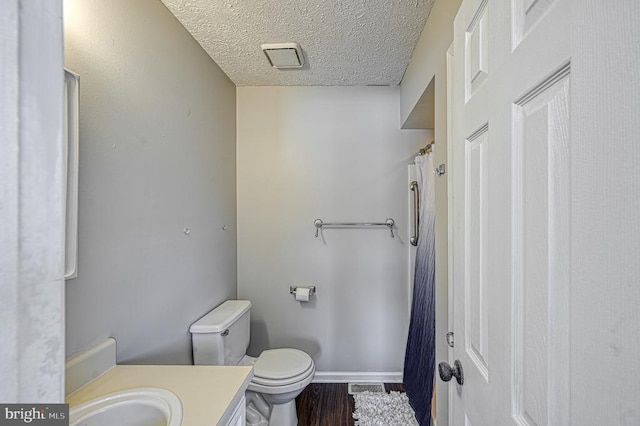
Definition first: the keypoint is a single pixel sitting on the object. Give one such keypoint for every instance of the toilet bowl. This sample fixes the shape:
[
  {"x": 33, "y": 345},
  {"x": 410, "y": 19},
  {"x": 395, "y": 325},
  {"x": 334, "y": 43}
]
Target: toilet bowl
[
  {"x": 279, "y": 376},
  {"x": 221, "y": 337}
]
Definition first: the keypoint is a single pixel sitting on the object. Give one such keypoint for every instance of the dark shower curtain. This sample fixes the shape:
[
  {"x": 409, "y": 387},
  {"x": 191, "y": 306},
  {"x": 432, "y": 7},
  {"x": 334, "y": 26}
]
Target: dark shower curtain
[{"x": 419, "y": 362}]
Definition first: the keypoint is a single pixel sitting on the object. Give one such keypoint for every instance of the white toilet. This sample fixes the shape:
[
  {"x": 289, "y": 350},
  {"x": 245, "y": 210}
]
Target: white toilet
[{"x": 221, "y": 337}]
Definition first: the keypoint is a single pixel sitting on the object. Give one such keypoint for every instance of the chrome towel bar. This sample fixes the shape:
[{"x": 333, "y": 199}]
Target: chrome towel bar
[
  {"x": 318, "y": 223},
  {"x": 416, "y": 212}
]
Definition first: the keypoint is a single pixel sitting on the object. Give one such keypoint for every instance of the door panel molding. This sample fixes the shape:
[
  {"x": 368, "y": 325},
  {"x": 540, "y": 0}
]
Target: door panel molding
[
  {"x": 541, "y": 262},
  {"x": 476, "y": 301},
  {"x": 476, "y": 51},
  {"x": 526, "y": 14}
]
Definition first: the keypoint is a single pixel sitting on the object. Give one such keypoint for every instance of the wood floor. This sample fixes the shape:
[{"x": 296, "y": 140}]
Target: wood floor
[{"x": 329, "y": 404}]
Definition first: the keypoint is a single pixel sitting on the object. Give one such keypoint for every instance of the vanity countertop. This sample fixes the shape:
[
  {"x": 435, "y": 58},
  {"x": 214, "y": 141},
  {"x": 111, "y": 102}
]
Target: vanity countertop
[{"x": 208, "y": 393}]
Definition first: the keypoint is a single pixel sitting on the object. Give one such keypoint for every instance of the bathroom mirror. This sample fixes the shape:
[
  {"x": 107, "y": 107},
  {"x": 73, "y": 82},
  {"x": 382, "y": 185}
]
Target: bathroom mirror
[{"x": 70, "y": 135}]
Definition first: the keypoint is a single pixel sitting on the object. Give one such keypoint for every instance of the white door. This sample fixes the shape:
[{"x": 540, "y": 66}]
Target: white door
[
  {"x": 545, "y": 117},
  {"x": 511, "y": 79}
]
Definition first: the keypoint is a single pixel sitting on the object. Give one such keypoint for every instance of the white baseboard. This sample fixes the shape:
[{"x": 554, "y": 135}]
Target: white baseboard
[
  {"x": 356, "y": 376},
  {"x": 88, "y": 365}
]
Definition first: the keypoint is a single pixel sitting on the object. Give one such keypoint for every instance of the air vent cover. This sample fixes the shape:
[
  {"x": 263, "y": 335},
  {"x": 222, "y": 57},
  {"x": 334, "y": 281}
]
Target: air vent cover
[
  {"x": 365, "y": 387},
  {"x": 284, "y": 55}
]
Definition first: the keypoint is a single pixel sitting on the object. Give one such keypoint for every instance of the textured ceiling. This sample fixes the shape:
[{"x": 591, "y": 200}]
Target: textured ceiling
[{"x": 345, "y": 42}]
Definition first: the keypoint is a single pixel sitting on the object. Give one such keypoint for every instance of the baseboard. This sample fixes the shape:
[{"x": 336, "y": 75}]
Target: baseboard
[
  {"x": 88, "y": 365},
  {"x": 356, "y": 376}
]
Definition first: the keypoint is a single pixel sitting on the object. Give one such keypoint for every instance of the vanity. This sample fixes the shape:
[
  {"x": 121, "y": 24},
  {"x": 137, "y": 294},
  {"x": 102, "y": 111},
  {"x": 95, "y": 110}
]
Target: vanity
[{"x": 209, "y": 395}]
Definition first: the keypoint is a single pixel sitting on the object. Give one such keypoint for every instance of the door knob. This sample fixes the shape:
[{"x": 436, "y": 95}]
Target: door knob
[{"x": 447, "y": 372}]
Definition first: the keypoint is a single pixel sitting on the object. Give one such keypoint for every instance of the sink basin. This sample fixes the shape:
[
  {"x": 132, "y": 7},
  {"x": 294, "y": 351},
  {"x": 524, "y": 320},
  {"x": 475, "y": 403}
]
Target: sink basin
[{"x": 133, "y": 407}]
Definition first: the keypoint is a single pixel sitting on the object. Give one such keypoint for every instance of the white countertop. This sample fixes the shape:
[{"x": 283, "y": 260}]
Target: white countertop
[{"x": 208, "y": 393}]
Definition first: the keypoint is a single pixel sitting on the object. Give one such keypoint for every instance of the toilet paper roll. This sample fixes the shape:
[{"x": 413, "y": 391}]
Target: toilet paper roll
[{"x": 302, "y": 294}]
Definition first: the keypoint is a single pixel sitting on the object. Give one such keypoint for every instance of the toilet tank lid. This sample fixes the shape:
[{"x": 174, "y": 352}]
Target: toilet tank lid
[{"x": 221, "y": 318}]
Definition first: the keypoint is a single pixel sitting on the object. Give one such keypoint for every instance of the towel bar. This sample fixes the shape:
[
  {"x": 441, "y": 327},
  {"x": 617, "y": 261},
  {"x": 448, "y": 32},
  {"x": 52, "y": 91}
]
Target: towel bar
[
  {"x": 416, "y": 212},
  {"x": 318, "y": 223}
]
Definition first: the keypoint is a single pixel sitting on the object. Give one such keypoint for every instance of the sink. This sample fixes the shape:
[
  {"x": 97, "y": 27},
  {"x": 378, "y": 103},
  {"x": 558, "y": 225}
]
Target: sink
[{"x": 133, "y": 407}]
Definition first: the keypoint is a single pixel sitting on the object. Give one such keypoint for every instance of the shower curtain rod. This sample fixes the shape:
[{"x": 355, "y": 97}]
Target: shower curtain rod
[{"x": 427, "y": 149}]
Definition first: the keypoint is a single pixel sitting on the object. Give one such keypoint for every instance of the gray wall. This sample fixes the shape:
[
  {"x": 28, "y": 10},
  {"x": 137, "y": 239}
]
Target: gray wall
[
  {"x": 157, "y": 155},
  {"x": 428, "y": 55},
  {"x": 335, "y": 153}
]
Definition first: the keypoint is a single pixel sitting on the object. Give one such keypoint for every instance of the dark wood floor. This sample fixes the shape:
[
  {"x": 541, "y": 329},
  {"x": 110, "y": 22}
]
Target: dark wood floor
[{"x": 329, "y": 404}]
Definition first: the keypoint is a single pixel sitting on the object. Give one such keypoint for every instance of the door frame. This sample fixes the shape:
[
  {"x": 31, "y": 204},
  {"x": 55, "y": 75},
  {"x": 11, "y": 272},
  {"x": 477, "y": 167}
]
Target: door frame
[{"x": 450, "y": 177}]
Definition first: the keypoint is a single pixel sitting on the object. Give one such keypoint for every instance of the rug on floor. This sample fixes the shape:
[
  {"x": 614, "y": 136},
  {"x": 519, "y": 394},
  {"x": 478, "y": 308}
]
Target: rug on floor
[{"x": 383, "y": 409}]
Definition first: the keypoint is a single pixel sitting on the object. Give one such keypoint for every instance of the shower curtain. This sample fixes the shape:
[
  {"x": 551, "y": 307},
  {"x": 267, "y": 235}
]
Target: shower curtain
[{"x": 419, "y": 362}]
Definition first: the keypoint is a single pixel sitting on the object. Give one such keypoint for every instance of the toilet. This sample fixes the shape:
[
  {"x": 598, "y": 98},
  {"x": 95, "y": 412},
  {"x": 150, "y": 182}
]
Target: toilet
[{"x": 221, "y": 337}]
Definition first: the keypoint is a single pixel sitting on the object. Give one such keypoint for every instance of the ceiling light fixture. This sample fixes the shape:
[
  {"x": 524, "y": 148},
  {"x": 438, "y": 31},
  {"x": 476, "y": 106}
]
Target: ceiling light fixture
[{"x": 284, "y": 55}]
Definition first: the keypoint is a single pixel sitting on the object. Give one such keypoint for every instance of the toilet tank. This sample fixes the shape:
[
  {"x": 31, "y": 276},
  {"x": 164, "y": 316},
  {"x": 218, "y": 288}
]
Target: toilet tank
[{"x": 221, "y": 337}]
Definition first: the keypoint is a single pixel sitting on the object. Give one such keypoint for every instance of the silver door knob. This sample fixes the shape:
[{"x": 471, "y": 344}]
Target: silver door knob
[{"x": 447, "y": 372}]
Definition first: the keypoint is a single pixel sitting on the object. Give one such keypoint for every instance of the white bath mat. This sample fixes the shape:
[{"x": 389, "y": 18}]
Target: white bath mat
[
  {"x": 365, "y": 387},
  {"x": 383, "y": 409}
]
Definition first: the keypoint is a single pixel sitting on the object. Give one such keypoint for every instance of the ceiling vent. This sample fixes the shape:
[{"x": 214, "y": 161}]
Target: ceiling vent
[{"x": 284, "y": 55}]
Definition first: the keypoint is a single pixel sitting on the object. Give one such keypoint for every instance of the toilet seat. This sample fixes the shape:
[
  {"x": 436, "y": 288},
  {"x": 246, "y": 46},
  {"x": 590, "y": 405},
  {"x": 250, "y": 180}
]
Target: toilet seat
[
  {"x": 277, "y": 388},
  {"x": 282, "y": 367}
]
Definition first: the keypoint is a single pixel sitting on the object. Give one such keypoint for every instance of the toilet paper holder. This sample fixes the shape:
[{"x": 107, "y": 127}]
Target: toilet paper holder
[{"x": 293, "y": 288}]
